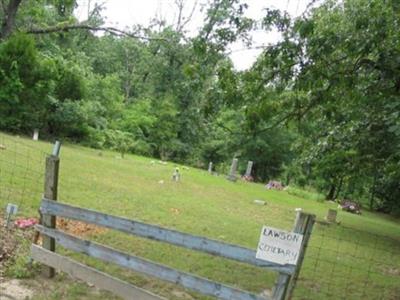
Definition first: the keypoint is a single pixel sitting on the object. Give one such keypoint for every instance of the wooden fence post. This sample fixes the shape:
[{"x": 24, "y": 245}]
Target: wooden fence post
[
  {"x": 50, "y": 192},
  {"x": 285, "y": 284}
]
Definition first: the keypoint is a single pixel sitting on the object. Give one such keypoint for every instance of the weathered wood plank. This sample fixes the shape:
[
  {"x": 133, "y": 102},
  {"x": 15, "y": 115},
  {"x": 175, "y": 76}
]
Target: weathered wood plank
[
  {"x": 50, "y": 192},
  {"x": 144, "y": 266},
  {"x": 162, "y": 234},
  {"x": 307, "y": 229},
  {"x": 301, "y": 225},
  {"x": 90, "y": 275}
]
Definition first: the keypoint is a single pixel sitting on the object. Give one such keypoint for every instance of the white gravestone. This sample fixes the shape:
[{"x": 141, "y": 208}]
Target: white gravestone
[
  {"x": 11, "y": 209},
  {"x": 232, "y": 172},
  {"x": 36, "y": 134},
  {"x": 249, "y": 168},
  {"x": 210, "y": 167},
  {"x": 176, "y": 176},
  {"x": 279, "y": 246}
]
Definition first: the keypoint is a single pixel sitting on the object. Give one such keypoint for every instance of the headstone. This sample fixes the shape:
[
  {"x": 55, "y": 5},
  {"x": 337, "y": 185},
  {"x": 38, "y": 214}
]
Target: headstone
[
  {"x": 210, "y": 167},
  {"x": 331, "y": 216},
  {"x": 259, "y": 202},
  {"x": 176, "y": 176},
  {"x": 11, "y": 209},
  {"x": 233, "y": 170},
  {"x": 35, "y": 134},
  {"x": 249, "y": 168}
]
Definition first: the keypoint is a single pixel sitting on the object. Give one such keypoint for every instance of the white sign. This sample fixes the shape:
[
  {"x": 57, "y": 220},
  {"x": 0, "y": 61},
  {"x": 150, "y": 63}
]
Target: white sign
[
  {"x": 11, "y": 209},
  {"x": 279, "y": 246}
]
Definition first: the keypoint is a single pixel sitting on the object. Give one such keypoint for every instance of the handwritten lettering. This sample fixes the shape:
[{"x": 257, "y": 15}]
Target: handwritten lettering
[
  {"x": 281, "y": 235},
  {"x": 279, "y": 246}
]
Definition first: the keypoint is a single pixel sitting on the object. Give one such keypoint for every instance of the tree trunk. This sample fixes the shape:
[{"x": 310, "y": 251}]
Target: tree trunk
[
  {"x": 338, "y": 189},
  {"x": 331, "y": 192},
  {"x": 372, "y": 195},
  {"x": 288, "y": 177},
  {"x": 9, "y": 18}
]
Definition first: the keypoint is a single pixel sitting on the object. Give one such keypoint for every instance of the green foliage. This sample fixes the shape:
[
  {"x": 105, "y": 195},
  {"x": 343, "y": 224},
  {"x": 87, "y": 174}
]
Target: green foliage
[
  {"x": 335, "y": 62},
  {"x": 319, "y": 108},
  {"x": 119, "y": 140},
  {"x": 208, "y": 206},
  {"x": 25, "y": 82},
  {"x": 22, "y": 267},
  {"x": 70, "y": 82}
]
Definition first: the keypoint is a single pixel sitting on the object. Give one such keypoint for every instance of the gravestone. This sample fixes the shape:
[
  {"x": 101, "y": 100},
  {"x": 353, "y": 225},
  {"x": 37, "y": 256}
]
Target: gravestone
[
  {"x": 176, "y": 176},
  {"x": 249, "y": 168},
  {"x": 35, "y": 134},
  {"x": 331, "y": 216},
  {"x": 233, "y": 170},
  {"x": 210, "y": 167},
  {"x": 11, "y": 209},
  {"x": 260, "y": 202}
]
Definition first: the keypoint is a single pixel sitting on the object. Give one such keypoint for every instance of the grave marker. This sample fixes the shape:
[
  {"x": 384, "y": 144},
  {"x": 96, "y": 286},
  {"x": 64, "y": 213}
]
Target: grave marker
[
  {"x": 249, "y": 168},
  {"x": 233, "y": 170},
  {"x": 176, "y": 176},
  {"x": 210, "y": 167},
  {"x": 11, "y": 209},
  {"x": 331, "y": 217},
  {"x": 35, "y": 134},
  {"x": 259, "y": 202}
]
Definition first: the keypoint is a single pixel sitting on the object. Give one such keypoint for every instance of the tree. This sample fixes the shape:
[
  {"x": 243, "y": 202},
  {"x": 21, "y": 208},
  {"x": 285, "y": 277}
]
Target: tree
[{"x": 341, "y": 60}]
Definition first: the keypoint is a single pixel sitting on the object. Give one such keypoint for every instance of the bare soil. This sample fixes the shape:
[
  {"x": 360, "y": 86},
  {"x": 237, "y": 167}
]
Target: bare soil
[{"x": 15, "y": 290}]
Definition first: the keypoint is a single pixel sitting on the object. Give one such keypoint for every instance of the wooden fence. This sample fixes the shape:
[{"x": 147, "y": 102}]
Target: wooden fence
[{"x": 50, "y": 208}]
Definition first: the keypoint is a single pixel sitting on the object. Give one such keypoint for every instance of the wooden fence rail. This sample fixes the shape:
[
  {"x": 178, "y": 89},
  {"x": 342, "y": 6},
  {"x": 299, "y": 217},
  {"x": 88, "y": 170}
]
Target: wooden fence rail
[
  {"x": 144, "y": 266},
  {"x": 88, "y": 274},
  {"x": 158, "y": 233},
  {"x": 50, "y": 209}
]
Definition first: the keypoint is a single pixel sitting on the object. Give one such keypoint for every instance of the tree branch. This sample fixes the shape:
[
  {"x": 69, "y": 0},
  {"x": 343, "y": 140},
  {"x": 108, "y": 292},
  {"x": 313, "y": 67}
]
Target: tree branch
[
  {"x": 111, "y": 30},
  {"x": 188, "y": 19},
  {"x": 9, "y": 17}
]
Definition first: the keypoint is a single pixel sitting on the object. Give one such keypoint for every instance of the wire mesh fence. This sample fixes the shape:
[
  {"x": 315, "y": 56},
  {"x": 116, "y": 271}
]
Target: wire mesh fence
[
  {"x": 341, "y": 262},
  {"x": 21, "y": 172},
  {"x": 345, "y": 263}
]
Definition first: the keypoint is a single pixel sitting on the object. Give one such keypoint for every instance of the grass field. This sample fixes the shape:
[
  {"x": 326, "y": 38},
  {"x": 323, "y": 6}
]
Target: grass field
[{"x": 360, "y": 258}]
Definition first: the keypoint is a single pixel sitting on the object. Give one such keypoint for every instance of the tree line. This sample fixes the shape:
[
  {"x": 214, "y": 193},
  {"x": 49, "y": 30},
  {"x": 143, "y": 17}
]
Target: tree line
[{"x": 319, "y": 108}]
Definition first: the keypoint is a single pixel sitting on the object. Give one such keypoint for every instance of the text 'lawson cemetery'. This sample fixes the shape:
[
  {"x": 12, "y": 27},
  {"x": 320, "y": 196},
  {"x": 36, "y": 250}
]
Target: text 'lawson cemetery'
[{"x": 279, "y": 246}]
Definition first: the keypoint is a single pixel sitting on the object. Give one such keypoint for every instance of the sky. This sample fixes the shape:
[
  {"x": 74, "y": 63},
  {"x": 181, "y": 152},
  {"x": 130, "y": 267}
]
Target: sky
[{"x": 123, "y": 14}]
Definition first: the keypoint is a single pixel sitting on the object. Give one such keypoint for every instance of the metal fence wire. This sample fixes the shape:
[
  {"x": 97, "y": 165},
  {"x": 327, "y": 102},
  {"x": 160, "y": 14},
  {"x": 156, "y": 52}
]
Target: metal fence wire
[
  {"x": 340, "y": 263},
  {"x": 346, "y": 263},
  {"x": 21, "y": 172}
]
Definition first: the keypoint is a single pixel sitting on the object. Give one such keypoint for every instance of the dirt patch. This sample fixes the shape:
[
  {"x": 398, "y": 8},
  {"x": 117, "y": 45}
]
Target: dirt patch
[
  {"x": 312, "y": 285},
  {"x": 11, "y": 237},
  {"x": 8, "y": 245},
  {"x": 79, "y": 228},
  {"x": 266, "y": 293},
  {"x": 13, "y": 289},
  {"x": 391, "y": 271},
  {"x": 181, "y": 295}
]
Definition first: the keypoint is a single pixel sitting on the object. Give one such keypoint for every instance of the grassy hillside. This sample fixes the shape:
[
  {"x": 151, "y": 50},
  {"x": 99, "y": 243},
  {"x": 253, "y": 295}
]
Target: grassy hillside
[{"x": 344, "y": 258}]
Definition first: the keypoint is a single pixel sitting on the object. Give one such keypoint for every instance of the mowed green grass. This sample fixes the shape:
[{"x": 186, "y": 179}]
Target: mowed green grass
[{"x": 360, "y": 258}]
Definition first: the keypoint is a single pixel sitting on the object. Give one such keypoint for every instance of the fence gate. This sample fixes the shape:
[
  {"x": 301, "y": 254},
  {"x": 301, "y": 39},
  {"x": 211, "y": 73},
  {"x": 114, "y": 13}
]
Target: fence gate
[{"x": 50, "y": 208}]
